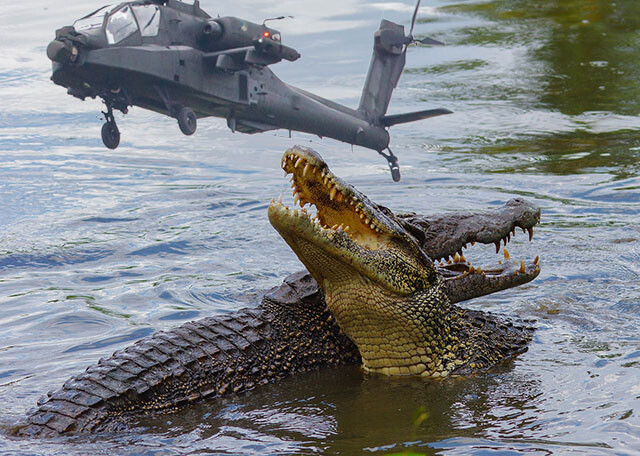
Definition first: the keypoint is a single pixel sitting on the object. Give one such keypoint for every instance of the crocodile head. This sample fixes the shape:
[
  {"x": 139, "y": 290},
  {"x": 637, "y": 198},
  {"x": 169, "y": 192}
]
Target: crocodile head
[{"x": 379, "y": 282}]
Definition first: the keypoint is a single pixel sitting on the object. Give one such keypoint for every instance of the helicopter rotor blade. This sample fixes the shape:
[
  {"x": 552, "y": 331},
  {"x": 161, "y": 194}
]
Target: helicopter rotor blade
[
  {"x": 413, "y": 19},
  {"x": 430, "y": 42}
]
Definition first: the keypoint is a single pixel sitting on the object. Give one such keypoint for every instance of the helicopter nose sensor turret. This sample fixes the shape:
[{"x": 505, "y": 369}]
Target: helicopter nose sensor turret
[{"x": 62, "y": 52}]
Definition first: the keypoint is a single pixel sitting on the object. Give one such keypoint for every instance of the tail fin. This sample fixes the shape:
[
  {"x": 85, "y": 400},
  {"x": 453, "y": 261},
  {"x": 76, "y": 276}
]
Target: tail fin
[
  {"x": 386, "y": 67},
  {"x": 388, "y": 121}
]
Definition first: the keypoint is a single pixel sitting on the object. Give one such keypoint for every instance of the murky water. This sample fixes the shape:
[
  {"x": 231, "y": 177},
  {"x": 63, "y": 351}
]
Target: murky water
[{"x": 101, "y": 248}]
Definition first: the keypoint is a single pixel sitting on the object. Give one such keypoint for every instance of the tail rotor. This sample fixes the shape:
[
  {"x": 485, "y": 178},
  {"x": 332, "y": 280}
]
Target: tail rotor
[{"x": 411, "y": 40}]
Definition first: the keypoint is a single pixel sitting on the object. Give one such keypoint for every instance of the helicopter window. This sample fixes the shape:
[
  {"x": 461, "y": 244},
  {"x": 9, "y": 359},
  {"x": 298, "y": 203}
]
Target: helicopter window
[
  {"x": 120, "y": 25},
  {"x": 93, "y": 20},
  {"x": 149, "y": 19}
]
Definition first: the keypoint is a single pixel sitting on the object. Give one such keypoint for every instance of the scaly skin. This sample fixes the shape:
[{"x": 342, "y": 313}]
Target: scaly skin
[
  {"x": 385, "y": 292},
  {"x": 290, "y": 331}
]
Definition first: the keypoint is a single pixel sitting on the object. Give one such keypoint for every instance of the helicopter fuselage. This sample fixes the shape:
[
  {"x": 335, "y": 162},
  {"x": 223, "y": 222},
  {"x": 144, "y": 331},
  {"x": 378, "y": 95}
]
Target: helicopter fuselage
[{"x": 175, "y": 59}]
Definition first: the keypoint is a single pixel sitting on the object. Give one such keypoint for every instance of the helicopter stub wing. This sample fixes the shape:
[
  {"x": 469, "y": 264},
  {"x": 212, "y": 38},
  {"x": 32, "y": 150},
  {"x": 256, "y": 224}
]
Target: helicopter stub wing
[
  {"x": 262, "y": 52},
  {"x": 252, "y": 127}
]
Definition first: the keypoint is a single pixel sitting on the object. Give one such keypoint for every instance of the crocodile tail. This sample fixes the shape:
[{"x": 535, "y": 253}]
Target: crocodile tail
[
  {"x": 156, "y": 373},
  {"x": 290, "y": 331}
]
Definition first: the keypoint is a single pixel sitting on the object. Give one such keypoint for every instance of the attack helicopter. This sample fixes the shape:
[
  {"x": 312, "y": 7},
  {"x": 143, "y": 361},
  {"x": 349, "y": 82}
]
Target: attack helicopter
[{"x": 173, "y": 58}]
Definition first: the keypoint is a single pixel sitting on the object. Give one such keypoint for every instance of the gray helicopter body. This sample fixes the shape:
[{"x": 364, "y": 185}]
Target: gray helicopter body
[{"x": 175, "y": 59}]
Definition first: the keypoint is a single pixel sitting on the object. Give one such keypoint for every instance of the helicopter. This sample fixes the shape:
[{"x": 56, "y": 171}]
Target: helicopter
[{"x": 173, "y": 58}]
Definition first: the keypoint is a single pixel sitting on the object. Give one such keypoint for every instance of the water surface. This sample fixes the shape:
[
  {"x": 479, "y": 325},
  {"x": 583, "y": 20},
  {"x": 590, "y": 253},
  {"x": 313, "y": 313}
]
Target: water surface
[{"x": 100, "y": 248}]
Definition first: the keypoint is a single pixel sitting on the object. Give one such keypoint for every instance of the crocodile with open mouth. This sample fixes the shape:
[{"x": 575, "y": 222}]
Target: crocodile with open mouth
[
  {"x": 374, "y": 295},
  {"x": 384, "y": 290}
]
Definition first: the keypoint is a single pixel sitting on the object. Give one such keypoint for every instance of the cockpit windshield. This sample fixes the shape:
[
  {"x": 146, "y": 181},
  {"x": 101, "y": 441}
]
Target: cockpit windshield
[
  {"x": 148, "y": 18},
  {"x": 93, "y": 20},
  {"x": 120, "y": 25}
]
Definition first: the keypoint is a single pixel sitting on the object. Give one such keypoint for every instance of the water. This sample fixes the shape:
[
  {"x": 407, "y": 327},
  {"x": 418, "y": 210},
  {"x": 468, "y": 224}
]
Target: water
[{"x": 101, "y": 248}]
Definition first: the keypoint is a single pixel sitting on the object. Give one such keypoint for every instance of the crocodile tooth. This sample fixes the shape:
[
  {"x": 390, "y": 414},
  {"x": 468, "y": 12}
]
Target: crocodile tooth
[
  {"x": 463, "y": 259},
  {"x": 298, "y": 162},
  {"x": 333, "y": 192},
  {"x": 361, "y": 215},
  {"x": 530, "y": 234},
  {"x": 339, "y": 197},
  {"x": 456, "y": 259},
  {"x": 537, "y": 260},
  {"x": 506, "y": 254},
  {"x": 326, "y": 179},
  {"x": 367, "y": 220},
  {"x": 472, "y": 270},
  {"x": 479, "y": 270},
  {"x": 334, "y": 227},
  {"x": 296, "y": 199},
  {"x": 373, "y": 227},
  {"x": 523, "y": 229},
  {"x": 473, "y": 243},
  {"x": 306, "y": 168},
  {"x": 522, "y": 269}
]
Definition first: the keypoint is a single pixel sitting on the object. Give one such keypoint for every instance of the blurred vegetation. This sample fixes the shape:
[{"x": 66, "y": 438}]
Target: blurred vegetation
[{"x": 582, "y": 60}]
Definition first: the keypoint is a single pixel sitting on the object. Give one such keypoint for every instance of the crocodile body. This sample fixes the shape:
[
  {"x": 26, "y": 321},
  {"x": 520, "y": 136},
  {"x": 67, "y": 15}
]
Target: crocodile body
[{"x": 291, "y": 330}]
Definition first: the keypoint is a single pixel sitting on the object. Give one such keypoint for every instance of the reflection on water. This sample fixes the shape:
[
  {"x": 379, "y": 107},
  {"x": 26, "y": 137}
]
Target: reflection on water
[{"x": 100, "y": 248}]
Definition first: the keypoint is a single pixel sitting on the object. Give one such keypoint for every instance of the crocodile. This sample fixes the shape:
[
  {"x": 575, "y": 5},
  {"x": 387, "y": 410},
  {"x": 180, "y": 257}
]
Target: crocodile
[{"x": 381, "y": 291}]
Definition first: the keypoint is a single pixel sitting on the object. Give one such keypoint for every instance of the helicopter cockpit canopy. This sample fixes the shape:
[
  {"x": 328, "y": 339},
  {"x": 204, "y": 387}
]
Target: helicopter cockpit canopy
[
  {"x": 122, "y": 21},
  {"x": 92, "y": 21}
]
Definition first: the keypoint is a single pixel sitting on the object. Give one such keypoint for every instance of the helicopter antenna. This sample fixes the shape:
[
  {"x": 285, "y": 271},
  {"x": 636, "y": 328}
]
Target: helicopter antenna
[{"x": 279, "y": 18}]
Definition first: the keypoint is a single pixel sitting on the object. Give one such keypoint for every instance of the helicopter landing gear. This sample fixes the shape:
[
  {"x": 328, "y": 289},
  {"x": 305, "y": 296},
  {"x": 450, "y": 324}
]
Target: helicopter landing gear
[
  {"x": 393, "y": 164},
  {"x": 110, "y": 132},
  {"x": 187, "y": 121},
  {"x": 110, "y": 135}
]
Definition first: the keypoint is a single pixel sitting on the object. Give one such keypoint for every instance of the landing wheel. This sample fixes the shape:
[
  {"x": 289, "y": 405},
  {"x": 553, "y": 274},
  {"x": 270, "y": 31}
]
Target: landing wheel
[
  {"x": 110, "y": 135},
  {"x": 187, "y": 121}
]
